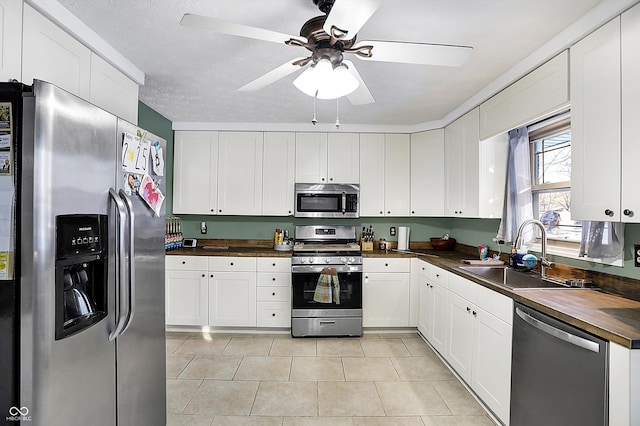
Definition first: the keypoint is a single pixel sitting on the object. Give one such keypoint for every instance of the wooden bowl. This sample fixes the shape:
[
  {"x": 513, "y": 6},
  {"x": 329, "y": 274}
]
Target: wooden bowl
[{"x": 440, "y": 244}]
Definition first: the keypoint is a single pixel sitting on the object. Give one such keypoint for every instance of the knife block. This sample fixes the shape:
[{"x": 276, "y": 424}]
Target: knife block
[{"x": 366, "y": 245}]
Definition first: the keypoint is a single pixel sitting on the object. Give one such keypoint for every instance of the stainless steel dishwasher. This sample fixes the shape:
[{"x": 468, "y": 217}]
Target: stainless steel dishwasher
[{"x": 559, "y": 373}]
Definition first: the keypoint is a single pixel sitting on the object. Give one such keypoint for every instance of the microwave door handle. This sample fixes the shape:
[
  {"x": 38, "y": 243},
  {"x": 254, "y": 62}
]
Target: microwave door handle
[{"x": 344, "y": 202}]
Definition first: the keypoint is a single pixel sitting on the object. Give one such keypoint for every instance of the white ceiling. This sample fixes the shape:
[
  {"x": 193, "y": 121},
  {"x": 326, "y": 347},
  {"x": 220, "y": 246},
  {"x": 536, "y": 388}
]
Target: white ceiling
[{"x": 193, "y": 75}]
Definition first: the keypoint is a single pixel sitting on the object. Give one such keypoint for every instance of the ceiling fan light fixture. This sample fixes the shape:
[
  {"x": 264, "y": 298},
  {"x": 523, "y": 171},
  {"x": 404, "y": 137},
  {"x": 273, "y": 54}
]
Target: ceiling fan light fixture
[{"x": 326, "y": 82}]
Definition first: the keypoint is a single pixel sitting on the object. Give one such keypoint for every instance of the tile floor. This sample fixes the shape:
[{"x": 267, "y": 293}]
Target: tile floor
[{"x": 379, "y": 379}]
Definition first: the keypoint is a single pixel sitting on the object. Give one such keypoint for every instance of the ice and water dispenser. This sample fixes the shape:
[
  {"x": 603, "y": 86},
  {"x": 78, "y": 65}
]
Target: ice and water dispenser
[{"x": 81, "y": 272}]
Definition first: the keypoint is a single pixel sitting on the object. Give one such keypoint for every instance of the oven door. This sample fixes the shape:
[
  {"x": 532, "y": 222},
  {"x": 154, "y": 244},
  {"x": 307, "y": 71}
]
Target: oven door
[{"x": 316, "y": 294}]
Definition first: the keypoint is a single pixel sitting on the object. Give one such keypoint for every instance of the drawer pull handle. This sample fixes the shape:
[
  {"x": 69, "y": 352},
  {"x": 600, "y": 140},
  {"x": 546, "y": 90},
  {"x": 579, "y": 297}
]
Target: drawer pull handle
[
  {"x": 211, "y": 275},
  {"x": 468, "y": 309},
  {"x": 231, "y": 263},
  {"x": 273, "y": 279},
  {"x": 273, "y": 294},
  {"x": 273, "y": 315},
  {"x": 386, "y": 264},
  {"x": 203, "y": 275},
  {"x": 184, "y": 262},
  {"x": 273, "y": 264}
]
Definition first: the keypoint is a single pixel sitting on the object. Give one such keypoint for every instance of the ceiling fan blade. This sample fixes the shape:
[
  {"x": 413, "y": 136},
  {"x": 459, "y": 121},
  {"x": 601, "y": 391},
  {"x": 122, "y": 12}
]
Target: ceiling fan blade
[
  {"x": 348, "y": 16},
  {"x": 416, "y": 53},
  {"x": 274, "y": 75},
  {"x": 360, "y": 96},
  {"x": 231, "y": 28}
]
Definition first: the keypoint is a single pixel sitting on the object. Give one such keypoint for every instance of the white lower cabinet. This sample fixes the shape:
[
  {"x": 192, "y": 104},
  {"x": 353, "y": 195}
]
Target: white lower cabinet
[
  {"x": 273, "y": 307},
  {"x": 434, "y": 306},
  {"x": 232, "y": 291},
  {"x": 479, "y": 348},
  {"x": 385, "y": 292},
  {"x": 186, "y": 290}
]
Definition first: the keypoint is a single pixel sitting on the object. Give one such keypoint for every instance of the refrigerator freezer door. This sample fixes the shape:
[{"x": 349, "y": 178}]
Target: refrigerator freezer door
[
  {"x": 141, "y": 348},
  {"x": 68, "y": 165}
]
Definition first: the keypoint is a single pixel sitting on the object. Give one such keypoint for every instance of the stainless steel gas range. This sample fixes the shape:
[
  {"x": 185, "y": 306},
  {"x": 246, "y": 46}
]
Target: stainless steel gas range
[{"x": 326, "y": 282}]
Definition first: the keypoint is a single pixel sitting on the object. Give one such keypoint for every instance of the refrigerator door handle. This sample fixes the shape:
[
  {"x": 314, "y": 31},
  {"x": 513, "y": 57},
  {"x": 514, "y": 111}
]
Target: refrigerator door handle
[
  {"x": 121, "y": 277},
  {"x": 131, "y": 258}
]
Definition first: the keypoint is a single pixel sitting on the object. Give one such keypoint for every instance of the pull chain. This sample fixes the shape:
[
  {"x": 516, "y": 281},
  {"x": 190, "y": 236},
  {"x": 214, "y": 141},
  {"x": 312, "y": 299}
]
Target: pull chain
[
  {"x": 337, "y": 113},
  {"x": 314, "y": 120}
]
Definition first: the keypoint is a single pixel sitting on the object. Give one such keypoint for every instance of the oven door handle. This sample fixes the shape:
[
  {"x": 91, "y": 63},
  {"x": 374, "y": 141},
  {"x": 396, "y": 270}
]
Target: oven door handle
[{"x": 306, "y": 269}]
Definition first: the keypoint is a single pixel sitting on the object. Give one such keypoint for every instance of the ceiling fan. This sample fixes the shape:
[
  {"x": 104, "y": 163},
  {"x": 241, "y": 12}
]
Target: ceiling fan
[{"x": 329, "y": 38}]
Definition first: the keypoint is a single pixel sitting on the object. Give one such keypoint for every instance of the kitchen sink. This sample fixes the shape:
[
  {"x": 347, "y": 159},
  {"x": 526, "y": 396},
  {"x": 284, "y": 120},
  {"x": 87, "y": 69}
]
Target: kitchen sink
[{"x": 512, "y": 278}]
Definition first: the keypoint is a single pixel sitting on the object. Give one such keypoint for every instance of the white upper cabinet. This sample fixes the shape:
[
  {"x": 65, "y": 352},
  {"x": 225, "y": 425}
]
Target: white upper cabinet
[
  {"x": 112, "y": 90},
  {"x": 427, "y": 173},
  {"x": 462, "y": 151},
  {"x": 397, "y": 175},
  {"x": 322, "y": 158},
  {"x": 240, "y": 173},
  {"x": 343, "y": 157},
  {"x": 630, "y": 205},
  {"x": 311, "y": 158},
  {"x": 50, "y": 54},
  {"x": 10, "y": 40},
  {"x": 372, "y": 174},
  {"x": 596, "y": 125},
  {"x": 475, "y": 170},
  {"x": 385, "y": 174},
  {"x": 278, "y": 173},
  {"x": 195, "y": 177},
  {"x": 542, "y": 91}
]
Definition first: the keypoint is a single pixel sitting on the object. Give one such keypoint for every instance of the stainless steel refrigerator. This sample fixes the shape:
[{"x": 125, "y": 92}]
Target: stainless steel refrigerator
[{"x": 81, "y": 263}]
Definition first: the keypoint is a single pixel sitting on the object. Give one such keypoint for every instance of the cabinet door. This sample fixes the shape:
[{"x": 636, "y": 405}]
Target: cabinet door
[
  {"x": 343, "y": 157},
  {"x": 240, "y": 173},
  {"x": 112, "y": 90},
  {"x": 372, "y": 174},
  {"x": 278, "y": 173},
  {"x": 427, "y": 173},
  {"x": 195, "y": 178},
  {"x": 385, "y": 300},
  {"x": 10, "y": 40},
  {"x": 232, "y": 299},
  {"x": 50, "y": 54},
  {"x": 491, "y": 369},
  {"x": 426, "y": 305},
  {"x": 311, "y": 157},
  {"x": 438, "y": 333},
  {"x": 595, "y": 125},
  {"x": 397, "y": 175},
  {"x": 186, "y": 298},
  {"x": 460, "y": 348},
  {"x": 462, "y": 157},
  {"x": 630, "y": 112},
  {"x": 492, "y": 175}
]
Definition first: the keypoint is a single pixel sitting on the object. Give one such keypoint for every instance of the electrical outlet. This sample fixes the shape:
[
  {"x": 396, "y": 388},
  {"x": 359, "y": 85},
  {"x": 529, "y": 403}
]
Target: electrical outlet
[
  {"x": 636, "y": 255},
  {"x": 392, "y": 231},
  {"x": 203, "y": 227}
]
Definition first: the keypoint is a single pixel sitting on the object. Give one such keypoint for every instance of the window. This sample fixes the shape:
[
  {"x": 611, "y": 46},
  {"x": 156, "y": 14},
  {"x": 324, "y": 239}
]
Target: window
[{"x": 551, "y": 180}]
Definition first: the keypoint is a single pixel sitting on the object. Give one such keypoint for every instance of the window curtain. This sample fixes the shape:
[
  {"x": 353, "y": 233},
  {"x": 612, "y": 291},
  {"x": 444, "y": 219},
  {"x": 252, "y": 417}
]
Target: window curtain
[
  {"x": 518, "y": 203},
  {"x": 603, "y": 241}
]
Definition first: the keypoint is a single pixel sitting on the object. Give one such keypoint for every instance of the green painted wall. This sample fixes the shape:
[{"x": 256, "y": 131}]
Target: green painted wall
[
  {"x": 466, "y": 231},
  {"x": 150, "y": 120}
]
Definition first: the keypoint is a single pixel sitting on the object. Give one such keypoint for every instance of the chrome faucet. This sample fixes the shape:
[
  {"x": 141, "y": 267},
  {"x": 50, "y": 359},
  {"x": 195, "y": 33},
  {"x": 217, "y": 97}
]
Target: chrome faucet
[{"x": 544, "y": 262}]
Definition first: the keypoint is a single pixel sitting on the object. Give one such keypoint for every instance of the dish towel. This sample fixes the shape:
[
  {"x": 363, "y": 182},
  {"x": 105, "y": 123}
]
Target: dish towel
[{"x": 328, "y": 287}]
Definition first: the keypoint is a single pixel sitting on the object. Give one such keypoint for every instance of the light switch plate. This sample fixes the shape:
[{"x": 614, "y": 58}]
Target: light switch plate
[
  {"x": 636, "y": 255},
  {"x": 392, "y": 231}
]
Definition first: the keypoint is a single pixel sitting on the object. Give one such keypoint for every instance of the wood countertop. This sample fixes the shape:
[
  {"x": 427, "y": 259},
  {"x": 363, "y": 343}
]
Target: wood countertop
[{"x": 608, "y": 316}]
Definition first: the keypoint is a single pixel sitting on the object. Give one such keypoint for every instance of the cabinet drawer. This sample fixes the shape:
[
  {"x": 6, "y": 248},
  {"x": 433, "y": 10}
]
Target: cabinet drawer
[
  {"x": 230, "y": 263},
  {"x": 440, "y": 276},
  {"x": 274, "y": 264},
  {"x": 274, "y": 294},
  {"x": 462, "y": 287},
  {"x": 495, "y": 303},
  {"x": 273, "y": 314},
  {"x": 186, "y": 263},
  {"x": 386, "y": 264},
  {"x": 425, "y": 269},
  {"x": 274, "y": 279}
]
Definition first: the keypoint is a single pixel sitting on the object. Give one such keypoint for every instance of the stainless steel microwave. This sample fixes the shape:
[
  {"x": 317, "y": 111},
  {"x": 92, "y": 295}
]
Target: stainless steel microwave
[{"x": 327, "y": 200}]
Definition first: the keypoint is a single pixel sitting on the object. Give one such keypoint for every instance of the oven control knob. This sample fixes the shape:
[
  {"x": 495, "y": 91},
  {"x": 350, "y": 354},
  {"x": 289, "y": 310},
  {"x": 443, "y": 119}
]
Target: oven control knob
[
  {"x": 311, "y": 259},
  {"x": 343, "y": 259},
  {"x": 303, "y": 260},
  {"x": 352, "y": 259},
  {"x": 327, "y": 260}
]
